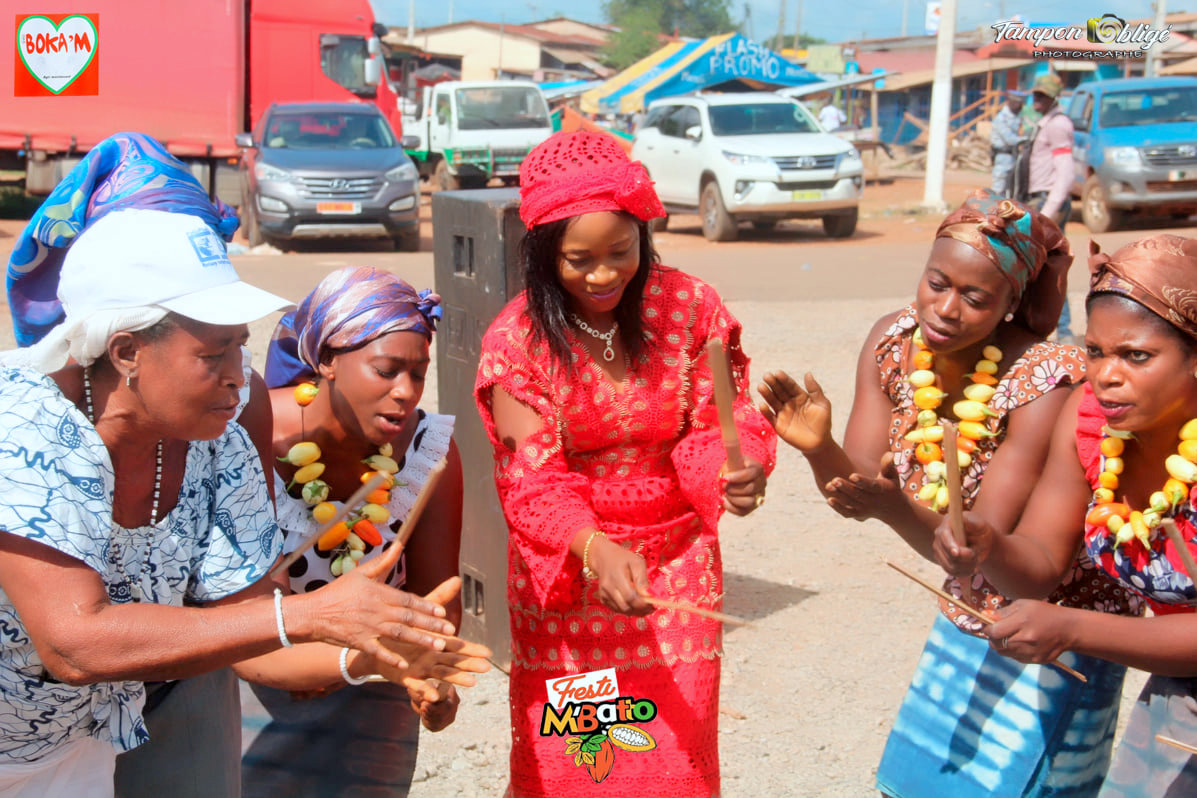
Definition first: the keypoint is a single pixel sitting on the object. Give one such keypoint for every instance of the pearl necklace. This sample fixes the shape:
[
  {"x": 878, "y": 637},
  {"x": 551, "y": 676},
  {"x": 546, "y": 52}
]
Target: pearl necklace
[
  {"x": 606, "y": 338},
  {"x": 145, "y": 560}
]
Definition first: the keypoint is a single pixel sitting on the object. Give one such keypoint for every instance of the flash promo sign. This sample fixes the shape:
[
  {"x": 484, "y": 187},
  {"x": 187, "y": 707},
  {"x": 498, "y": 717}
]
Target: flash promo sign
[{"x": 57, "y": 54}]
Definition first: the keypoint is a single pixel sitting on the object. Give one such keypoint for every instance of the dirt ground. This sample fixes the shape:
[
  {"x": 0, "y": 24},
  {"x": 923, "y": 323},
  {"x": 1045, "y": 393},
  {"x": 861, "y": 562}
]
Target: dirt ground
[{"x": 810, "y": 691}]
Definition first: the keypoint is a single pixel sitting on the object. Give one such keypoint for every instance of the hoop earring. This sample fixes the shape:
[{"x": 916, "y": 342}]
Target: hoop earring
[{"x": 1009, "y": 317}]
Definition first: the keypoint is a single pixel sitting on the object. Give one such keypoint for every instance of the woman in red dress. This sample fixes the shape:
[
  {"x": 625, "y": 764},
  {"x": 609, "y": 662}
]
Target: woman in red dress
[{"x": 597, "y": 396}]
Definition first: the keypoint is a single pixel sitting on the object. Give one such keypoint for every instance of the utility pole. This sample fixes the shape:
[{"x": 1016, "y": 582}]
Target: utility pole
[
  {"x": 748, "y": 22},
  {"x": 1151, "y": 68},
  {"x": 450, "y": 12},
  {"x": 781, "y": 26},
  {"x": 798, "y": 28},
  {"x": 905, "y": 13},
  {"x": 941, "y": 109},
  {"x": 411, "y": 21}
]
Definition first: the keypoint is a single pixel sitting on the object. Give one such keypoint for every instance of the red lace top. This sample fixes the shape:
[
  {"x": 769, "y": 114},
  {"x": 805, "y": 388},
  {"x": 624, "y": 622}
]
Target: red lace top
[
  {"x": 1042, "y": 368},
  {"x": 1156, "y": 573},
  {"x": 636, "y": 453}
]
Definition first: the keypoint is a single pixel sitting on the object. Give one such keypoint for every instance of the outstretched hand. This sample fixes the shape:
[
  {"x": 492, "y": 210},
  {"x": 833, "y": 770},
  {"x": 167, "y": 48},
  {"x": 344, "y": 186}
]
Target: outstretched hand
[
  {"x": 802, "y": 417},
  {"x": 862, "y": 497}
]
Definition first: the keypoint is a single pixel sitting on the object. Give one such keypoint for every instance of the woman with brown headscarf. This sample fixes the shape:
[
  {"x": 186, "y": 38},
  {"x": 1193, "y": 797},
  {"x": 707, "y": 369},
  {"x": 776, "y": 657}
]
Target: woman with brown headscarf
[
  {"x": 970, "y": 349},
  {"x": 1121, "y": 469}
]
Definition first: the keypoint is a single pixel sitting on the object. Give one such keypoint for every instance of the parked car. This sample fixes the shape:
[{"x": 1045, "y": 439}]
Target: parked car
[
  {"x": 323, "y": 170},
  {"x": 751, "y": 156},
  {"x": 1135, "y": 149}
]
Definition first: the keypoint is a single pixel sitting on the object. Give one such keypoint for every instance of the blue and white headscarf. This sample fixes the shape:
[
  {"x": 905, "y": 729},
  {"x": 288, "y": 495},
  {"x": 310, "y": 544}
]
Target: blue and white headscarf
[
  {"x": 126, "y": 170},
  {"x": 350, "y": 307}
]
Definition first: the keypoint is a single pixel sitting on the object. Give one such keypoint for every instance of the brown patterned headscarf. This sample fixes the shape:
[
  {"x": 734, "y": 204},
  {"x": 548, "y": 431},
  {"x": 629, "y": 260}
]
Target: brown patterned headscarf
[
  {"x": 1159, "y": 272},
  {"x": 1027, "y": 247}
]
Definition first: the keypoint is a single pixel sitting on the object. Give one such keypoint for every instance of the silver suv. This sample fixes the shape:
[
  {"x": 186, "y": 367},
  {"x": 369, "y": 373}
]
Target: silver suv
[
  {"x": 751, "y": 156},
  {"x": 321, "y": 170}
]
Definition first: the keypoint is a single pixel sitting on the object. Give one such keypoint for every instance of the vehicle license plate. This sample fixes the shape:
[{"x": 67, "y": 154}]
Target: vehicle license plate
[
  {"x": 1177, "y": 174},
  {"x": 807, "y": 195},
  {"x": 338, "y": 207}
]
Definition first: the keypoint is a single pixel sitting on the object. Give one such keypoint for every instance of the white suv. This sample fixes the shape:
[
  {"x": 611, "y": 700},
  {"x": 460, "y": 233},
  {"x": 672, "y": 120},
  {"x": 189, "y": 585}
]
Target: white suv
[{"x": 753, "y": 156}]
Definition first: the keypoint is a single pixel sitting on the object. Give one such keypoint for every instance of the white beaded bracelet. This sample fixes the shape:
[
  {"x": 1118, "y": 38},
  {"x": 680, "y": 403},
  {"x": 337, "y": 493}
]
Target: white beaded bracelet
[
  {"x": 345, "y": 669},
  {"x": 278, "y": 618}
]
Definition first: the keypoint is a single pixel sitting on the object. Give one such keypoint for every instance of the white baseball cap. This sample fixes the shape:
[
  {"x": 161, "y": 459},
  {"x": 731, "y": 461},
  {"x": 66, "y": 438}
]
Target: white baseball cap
[{"x": 137, "y": 257}]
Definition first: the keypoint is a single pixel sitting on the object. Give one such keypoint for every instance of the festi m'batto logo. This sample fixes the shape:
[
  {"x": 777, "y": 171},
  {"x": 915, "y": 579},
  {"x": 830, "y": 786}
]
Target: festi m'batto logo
[
  {"x": 587, "y": 709},
  {"x": 57, "y": 54}
]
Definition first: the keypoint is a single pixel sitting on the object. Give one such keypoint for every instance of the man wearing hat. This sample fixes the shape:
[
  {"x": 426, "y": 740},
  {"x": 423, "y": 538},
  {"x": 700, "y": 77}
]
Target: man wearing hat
[
  {"x": 1050, "y": 179},
  {"x": 1006, "y": 135}
]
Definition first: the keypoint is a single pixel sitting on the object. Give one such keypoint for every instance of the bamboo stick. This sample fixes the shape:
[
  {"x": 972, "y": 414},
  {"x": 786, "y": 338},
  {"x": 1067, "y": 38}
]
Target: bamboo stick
[
  {"x": 980, "y": 615},
  {"x": 1176, "y": 744},
  {"x": 702, "y": 611},
  {"x": 725, "y": 395},
  {"x": 955, "y": 499}
]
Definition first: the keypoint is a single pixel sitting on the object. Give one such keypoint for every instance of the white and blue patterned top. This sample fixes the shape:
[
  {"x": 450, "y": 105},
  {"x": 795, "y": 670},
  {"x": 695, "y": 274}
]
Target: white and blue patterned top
[{"x": 58, "y": 482}]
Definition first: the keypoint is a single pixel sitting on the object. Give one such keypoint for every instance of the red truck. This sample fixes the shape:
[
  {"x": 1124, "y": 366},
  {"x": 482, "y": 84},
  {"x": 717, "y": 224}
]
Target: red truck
[{"x": 191, "y": 74}]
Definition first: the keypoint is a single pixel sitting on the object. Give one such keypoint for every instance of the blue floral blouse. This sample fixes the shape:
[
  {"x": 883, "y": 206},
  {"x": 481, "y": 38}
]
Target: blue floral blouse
[{"x": 58, "y": 482}]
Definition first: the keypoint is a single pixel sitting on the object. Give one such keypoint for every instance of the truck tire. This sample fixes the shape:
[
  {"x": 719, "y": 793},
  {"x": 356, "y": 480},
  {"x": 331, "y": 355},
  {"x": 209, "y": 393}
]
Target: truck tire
[
  {"x": 1096, "y": 212},
  {"x": 841, "y": 225},
  {"x": 444, "y": 179},
  {"x": 717, "y": 223},
  {"x": 249, "y": 215}
]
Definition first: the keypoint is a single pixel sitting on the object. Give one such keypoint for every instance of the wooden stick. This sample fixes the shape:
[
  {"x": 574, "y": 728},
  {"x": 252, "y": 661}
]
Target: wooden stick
[
  {"x": 955, "y": 499},
  {"x": 980, "y": 615},
  {"x": 1177, "y": 744},
  {"x": 358, "y": 495},
  {"x": 394, "y": 550},
  {"x": 1182, "y": 548},
  {"x": 683, "y": 606},
  {"x": 725, "y": 396}
]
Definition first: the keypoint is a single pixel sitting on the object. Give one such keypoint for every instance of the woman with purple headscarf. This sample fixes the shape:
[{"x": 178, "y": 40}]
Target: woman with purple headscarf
[{"x": 360, "y": 344}]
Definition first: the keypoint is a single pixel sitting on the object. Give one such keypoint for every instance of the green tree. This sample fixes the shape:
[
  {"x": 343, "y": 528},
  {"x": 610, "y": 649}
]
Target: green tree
[{"x": 635, "y": 39}]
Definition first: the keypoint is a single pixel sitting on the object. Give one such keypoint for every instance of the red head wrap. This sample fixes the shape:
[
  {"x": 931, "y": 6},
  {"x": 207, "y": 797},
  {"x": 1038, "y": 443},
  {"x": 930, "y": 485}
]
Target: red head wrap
[{"x": 570, "y": 174}]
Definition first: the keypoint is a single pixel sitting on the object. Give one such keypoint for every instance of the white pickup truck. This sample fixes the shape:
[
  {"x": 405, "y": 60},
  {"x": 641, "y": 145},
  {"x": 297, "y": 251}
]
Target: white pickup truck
[{"x": 472, "y": 131}]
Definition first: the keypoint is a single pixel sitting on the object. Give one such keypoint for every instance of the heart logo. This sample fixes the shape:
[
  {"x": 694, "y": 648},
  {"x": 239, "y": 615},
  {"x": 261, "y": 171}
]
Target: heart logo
[{"x": 55, "y": 55}]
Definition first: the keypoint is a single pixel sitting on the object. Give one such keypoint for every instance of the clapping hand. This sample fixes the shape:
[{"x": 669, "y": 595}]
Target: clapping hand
[
  {"x": 436, "y": 706},
  {"x": 801, "y": 417},
  {"x": 863, "y": 497},
  {"x": 964, "y": 560}
]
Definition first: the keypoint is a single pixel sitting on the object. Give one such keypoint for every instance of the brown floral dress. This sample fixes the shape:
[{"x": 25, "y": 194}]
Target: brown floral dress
[{"x": 1043, "y": 367}]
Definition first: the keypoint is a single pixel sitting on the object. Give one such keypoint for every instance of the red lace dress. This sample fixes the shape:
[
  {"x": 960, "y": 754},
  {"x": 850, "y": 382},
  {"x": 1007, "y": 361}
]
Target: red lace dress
[
  {"x": 1042, "y": 368},
  {"x": 639, "y": 461}
]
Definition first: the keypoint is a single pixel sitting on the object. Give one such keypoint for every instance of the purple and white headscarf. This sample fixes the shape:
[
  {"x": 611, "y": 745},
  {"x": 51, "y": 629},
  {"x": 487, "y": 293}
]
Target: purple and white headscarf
[{"x": 349, "y": 308}]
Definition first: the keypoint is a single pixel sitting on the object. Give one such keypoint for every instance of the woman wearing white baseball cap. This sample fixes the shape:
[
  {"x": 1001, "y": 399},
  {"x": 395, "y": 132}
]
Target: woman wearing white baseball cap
[{"x": 136, "y": 529}]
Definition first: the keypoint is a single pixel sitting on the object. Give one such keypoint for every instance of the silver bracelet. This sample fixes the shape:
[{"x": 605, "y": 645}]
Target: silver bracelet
[
  {"x": 345, "y": 669},
  {"x": 278, "y": 618}
]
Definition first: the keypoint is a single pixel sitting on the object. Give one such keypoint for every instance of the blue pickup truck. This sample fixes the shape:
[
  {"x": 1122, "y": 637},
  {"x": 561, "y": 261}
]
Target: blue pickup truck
[{"x": 1135, "y": 149}]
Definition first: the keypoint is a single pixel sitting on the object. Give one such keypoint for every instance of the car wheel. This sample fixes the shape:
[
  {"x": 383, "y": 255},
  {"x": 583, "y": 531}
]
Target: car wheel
[
  {"x": 1096, "y": 212},
  {"x": 717, "y": 223},
  {"x": 764, "y": 225},
  {"x": 841, "y": 225},
  {"x": 249, "y": 215},
  {"x": 409, "y": 242},
  {"x": 445, "y": 180},
  {"x": 659, "y": 224}
]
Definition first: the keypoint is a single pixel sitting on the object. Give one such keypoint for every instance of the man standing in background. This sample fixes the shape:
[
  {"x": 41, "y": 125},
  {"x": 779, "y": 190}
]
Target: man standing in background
[
  {"x": 1051, "y": 167},
  {"x": 1004, "y": 138}
]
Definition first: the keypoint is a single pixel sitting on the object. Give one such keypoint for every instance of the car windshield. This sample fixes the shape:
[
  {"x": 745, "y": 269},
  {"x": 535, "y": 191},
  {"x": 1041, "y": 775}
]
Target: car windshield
[
  {"x": 1149, "y": 106},
  {"x": 501, "y": 107},
  {"x": 759, "y": 119},
  {"x": 328, "y": 131}
]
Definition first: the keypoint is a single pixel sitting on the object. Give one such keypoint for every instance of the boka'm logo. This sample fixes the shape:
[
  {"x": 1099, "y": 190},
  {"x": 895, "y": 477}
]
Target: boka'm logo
[
  {"x": 57, "y": 54},
  {"x": 1104, "y": 30},
  {"x": 587, "y": 709}
]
